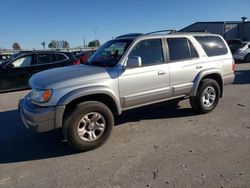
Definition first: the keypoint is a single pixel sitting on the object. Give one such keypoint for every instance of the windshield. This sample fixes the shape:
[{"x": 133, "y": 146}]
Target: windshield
[{"x": 109, "y": 54}]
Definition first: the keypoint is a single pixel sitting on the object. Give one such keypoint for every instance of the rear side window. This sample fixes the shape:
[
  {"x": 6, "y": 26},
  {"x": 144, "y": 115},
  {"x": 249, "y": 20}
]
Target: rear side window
[
  {"x": 180, "y": 49},
  {"x": 61, "y": 57},
  {"x": 46, "y": 58},
  {"x": 212, "y": 45}
]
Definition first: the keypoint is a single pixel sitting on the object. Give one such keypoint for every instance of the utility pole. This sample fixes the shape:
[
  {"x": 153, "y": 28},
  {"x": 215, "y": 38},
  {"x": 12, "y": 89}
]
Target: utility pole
[
  {"x": 95, "y": 31},
  {"x": 83, "y": 40}
]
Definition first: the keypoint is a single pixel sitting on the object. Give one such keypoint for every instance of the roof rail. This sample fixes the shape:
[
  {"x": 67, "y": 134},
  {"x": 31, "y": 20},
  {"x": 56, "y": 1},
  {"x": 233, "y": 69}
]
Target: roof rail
[
  {"x": 162, "y": 31},
  {"x": 130, "y": 35},
  {"x": 195, "y": 31},
  {"x": 140, "y": 34}
]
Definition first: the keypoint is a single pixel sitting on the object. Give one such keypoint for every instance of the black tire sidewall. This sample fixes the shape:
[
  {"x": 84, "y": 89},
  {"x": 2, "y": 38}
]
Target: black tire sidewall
[
  {"x": 84, "y": 108},
  {"x": 205, "y": 84}
]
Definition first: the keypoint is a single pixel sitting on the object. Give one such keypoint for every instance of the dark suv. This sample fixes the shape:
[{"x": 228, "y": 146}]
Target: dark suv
[{"x": 15, "y": 72}]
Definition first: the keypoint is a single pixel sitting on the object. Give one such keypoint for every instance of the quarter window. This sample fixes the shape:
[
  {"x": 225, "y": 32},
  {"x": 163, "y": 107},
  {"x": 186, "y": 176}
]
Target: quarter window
[
  {"x": 212, "y": 45},
  {"x": 150, "y": 52},
  {"x": 180, "y": 49},
  {"x": 61, "y": 57}
]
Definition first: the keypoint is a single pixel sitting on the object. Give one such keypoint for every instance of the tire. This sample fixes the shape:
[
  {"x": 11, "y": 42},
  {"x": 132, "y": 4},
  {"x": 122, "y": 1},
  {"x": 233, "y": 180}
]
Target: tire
[
  {"x": 88, "y": 126},
  {"x": 247, "y": 58},
  {"x": 207, "y": 96}
]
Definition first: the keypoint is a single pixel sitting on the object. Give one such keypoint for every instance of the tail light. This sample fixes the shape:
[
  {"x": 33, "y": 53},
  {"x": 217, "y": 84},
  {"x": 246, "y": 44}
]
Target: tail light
[
  {"x": 233, "y": 66},
  {"x": 76, "y": 62}
]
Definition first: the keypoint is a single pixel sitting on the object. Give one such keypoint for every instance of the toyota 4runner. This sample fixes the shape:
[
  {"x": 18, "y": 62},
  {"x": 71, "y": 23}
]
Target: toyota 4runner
[{"x": 127, "y": 72}]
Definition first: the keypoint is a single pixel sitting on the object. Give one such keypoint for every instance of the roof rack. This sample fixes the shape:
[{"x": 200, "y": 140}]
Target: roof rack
[
  {"x": 140, "y": 34},
  {"x": 195, "y": 31},
  {"x": 162, "y": 31},
  {"x": 130, "y": 35}
]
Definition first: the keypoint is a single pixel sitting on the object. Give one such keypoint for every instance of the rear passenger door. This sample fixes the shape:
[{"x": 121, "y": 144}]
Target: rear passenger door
[
  {"x": 45, "y": 61},
  {"x": 184, "y": 64},
  {"x": 149, "y": 82}
]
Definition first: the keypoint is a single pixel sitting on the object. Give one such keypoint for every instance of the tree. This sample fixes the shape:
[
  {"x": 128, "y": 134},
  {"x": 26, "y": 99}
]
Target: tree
[
  {"x": 52, "y": 44},
  {"x": 58, "y": 44},
  {"x": 43, "y": 44},
  {"x": 65, "y": 44},
  {"x": 94, "y": 43},
  {"x": 16, "y": 46}
]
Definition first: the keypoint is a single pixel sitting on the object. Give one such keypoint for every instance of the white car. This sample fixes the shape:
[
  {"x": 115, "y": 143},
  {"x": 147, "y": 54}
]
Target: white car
[{"x": 243, "y": 53}]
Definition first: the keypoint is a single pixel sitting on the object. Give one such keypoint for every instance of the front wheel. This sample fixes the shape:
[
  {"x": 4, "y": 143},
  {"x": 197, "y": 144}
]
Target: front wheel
[
  {"x": 207, "y": 96},
  {"x": 89, "y": 125}
]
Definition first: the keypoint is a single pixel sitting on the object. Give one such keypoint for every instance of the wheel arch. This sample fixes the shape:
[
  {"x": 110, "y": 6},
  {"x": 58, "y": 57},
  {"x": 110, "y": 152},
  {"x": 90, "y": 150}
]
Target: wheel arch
[
  {"x": 212, "y": 74},
  {"x": 104, "y": 98}
]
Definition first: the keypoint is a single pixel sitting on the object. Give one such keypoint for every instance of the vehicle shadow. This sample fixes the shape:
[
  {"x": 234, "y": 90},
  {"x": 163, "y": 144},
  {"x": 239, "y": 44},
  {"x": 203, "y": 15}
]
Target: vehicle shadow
[
  {"x": 164, "y": 110},
  {"x": 17, "y": 144},
  {"x": 242, "y": 77}
]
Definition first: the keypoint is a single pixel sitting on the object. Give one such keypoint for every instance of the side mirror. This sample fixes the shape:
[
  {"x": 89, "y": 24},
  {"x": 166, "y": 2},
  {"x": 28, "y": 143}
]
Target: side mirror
[
  {"x": 134, "y": 61},
  {"x": 249, "y": 46}
]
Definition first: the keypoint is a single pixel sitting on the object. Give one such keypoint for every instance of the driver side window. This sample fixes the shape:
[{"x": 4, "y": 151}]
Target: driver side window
[{"x": 21, "y": 62}]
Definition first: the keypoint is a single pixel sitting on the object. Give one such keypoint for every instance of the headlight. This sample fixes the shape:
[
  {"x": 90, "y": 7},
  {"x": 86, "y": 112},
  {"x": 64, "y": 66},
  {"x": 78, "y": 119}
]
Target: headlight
[{"x": 38, "y": 95}]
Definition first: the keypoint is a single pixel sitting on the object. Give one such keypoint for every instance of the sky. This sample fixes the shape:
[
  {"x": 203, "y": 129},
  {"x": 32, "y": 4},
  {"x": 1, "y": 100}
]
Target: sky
[{"x": 30, "y": 22}]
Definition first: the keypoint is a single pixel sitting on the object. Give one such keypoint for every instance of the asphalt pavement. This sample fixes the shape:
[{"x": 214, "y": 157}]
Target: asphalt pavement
[{"x": 161, "y": 145}]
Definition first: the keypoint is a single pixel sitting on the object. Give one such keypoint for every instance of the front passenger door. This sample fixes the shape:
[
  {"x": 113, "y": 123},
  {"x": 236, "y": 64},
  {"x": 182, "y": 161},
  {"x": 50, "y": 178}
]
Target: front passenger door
[{"x": 149, "y": 82}]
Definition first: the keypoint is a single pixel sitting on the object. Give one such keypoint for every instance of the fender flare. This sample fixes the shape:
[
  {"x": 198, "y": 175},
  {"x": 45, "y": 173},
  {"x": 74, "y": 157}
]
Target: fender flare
[
  {"x": 201, "y": 75},
  {"x": 82, "y": 92}
]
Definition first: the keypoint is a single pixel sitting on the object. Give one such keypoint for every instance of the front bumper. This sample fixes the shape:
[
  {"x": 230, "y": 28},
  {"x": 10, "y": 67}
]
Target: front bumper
[{"x": 39, "y": 119}]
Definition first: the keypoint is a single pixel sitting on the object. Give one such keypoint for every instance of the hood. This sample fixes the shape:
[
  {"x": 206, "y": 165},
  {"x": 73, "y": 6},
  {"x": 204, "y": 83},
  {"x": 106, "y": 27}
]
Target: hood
[{"x": 67, "y": 76}]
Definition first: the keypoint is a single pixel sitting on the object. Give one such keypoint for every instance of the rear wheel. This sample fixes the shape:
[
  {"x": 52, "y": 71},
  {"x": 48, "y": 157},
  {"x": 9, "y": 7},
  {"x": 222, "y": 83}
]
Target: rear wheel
[
  {"x": 207, "y": 96},
  {"x": 89, "y": 125}
]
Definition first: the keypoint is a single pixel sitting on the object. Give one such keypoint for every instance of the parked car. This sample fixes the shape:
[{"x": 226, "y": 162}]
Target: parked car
[
  {"x": 126, "y": 73},
  {"x": 243, "y": 54},
  {"x": 76, "y": 52},
  {"x": 84, "y": 56},
  {"x": 4, "y": 57},
  {"x": 15, "y": 72},
  {"x": 234, "y": 44}
]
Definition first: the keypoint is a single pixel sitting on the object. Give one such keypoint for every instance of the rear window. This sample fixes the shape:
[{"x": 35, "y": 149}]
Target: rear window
[{"x": 212, "y": 45}]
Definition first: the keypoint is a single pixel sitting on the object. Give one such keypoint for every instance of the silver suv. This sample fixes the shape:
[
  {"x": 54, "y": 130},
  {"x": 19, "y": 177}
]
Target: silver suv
[{"x": 127, "y": 72}]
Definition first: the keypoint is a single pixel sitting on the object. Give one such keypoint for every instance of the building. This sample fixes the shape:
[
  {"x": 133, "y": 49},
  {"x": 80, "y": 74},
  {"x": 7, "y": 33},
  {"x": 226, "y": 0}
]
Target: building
[{"x": 227, "y": 29}]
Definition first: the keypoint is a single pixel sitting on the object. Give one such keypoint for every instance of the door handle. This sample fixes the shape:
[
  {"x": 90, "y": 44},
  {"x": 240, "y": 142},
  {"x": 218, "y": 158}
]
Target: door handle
[
  {"x": 161, "y": 73},
  {"x": 198, "y": 67}
]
